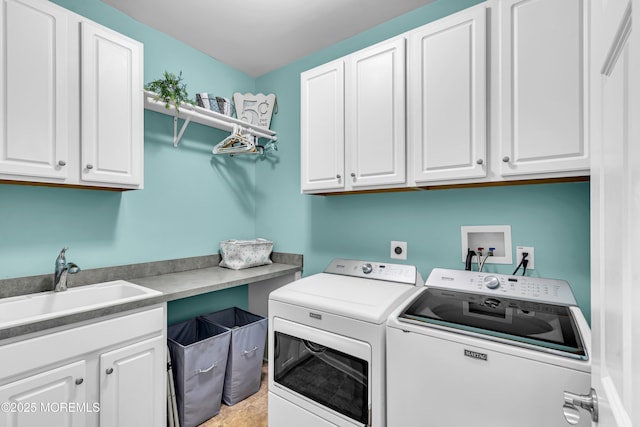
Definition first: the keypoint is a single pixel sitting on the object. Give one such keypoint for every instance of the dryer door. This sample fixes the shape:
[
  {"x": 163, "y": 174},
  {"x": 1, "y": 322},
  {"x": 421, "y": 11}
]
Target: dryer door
[{"x": 323, "y": 370}]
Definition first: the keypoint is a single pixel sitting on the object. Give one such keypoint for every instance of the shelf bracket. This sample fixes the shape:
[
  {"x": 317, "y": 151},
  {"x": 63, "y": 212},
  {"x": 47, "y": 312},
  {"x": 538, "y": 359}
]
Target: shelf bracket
[{"x": 178, "y": 136}]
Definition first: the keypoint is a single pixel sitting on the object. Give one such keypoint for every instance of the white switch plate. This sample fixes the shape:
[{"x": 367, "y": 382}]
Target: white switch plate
[
  {"x": 530, "y": 257},
  {"x": 400, "y": 247}
]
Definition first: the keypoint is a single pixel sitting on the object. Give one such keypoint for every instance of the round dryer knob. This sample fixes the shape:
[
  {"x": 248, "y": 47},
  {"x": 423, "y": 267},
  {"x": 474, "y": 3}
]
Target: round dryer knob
[
  {"x": 491, "y": 282},
  {"x": 367, "y": 268}
]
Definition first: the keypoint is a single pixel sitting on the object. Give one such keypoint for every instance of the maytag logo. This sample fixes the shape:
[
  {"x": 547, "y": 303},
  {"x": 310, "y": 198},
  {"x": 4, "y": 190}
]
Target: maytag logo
[
  {"x": 475, "y": 354},
  {"x": 447, "y": 278},
  {"x": 315, "y": 316}
]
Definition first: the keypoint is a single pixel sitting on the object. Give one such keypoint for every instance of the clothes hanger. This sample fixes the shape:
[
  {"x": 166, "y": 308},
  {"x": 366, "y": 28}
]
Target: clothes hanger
[{"x": 236, "y": 143}]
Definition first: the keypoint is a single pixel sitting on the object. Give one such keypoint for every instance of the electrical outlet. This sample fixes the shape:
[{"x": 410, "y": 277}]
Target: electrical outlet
[
  {"x": 398, "y": 250},
  {"x": 530, "y": 257}
]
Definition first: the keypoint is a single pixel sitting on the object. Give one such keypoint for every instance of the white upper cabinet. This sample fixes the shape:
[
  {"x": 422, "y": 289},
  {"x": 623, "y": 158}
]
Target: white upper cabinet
[
  {"x": 375, "y": 116},
  {"x": 494, "y": 93},
  {"x": 322, "y": 127},
  {"x": 353, "y": 121},
  {"x": 112, "y": 107},
  {"x": 447, "y": 99},
  {"x": 72, "y": 99},
  {"x": 34, "y": 90},
  {"x": 542, "y": 81}
]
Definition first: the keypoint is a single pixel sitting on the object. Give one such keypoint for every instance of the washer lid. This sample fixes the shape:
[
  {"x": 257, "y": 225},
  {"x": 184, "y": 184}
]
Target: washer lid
[
  {"x": 543, "y": 326},
  {"x": 368, "y": 300}
]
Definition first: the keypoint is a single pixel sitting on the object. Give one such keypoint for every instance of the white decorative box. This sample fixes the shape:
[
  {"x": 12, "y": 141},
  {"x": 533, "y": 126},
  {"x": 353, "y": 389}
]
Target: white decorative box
[{"x": 239, "y": 254}]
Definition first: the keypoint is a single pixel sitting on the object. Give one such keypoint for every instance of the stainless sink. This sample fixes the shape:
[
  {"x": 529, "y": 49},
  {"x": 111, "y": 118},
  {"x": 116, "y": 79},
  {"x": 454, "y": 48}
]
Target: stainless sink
[{"x": 31, "y": 308}]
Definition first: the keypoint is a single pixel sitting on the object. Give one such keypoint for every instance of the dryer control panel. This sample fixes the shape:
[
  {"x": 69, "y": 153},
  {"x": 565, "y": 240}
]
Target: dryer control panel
[
  {"x": 517, "y": 287},
  {"x": 400, "y": 273}
]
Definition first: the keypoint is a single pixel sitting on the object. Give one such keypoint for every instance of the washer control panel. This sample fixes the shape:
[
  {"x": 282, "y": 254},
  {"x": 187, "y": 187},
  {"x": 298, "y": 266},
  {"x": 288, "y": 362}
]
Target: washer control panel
[
  {"x": 400, "y": 273},
  {"x": 517, "y": 287}
]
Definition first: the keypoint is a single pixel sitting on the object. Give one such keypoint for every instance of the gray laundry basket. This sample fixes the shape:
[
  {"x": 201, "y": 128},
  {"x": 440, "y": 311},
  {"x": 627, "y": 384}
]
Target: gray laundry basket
[
  {"x": 244, "y": 364},
  {"x": 199, "y": 353}
]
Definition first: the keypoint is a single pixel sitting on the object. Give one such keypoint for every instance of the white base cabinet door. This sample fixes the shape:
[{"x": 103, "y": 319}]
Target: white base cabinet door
[
  {"x": 34, "y": 90},
  {"x": 130, "y": 392},
  {"x": 447, "y": 98},
  {"x": 543, "y": 76},
  {"x": 46, "y": 399}
]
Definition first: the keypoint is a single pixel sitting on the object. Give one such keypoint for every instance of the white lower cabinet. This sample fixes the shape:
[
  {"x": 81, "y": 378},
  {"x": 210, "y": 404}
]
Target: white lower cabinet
[
  {"x": 35, "y": 401},
  {"x": 108, "y": 373}
]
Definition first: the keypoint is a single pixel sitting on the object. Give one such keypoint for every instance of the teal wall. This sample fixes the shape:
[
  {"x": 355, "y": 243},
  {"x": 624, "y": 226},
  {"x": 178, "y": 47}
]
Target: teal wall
[{"x": 193, "y": 199}]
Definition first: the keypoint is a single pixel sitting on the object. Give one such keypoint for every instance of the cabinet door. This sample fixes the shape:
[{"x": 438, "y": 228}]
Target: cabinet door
[
  {"x": 322, "y": 127},
  {"x": 133, "y": 385},
  {"x": 375, "y": 115},
  {"x": 447, "y": 107},
  {"x": 40, "y": 400},
  {"x": 112, "y": 107},
  {"x": 542, "y": 49},
  {"x": 34, "y": 90}
]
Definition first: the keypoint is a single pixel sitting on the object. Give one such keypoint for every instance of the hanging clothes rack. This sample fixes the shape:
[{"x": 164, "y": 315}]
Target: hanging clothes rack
[{"x": 191, "y": 113}]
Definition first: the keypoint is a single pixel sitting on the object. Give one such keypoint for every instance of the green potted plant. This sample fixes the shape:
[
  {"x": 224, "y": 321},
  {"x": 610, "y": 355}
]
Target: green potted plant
[{"x": 170, "y": 90}]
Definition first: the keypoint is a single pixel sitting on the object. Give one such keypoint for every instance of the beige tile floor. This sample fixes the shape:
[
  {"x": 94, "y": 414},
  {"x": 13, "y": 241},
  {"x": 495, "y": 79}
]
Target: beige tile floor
[{"x": 251, "y": 412}]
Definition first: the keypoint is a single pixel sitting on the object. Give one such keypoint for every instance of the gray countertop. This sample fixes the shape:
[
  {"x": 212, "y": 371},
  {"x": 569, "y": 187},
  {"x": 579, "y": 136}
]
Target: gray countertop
[{"x": 175, "y": 279}]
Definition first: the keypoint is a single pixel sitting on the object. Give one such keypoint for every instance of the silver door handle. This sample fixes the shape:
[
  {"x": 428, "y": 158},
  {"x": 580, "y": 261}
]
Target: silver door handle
[
  {"x": 62, "y": 163},
  {"x": 109, "y": 371},
  {"x": 89, "y": 166},
  {"x": 506, "y": 159},
  {"x": 585, "y": 401},
  {"x": 479, "y": 161}
]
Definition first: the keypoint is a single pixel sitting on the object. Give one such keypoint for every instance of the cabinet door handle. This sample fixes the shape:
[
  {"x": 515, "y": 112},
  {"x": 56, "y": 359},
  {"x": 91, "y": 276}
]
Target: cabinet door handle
[
  {"x": 479, "y": 161},
  {"x": 338, "y": 176},
  {"x": 89, "y": 166},
  {"x": 62, "y": 163},
  {"x": 109, "y": 371},
  {"x": 506, "y": 159},
  {"x": 353, "y": 175},
  {"x": 79, "y": 381}
]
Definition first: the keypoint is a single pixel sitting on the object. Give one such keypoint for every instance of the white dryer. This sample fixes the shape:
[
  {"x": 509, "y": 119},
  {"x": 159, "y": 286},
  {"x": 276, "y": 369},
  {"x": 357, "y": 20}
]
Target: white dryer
[
  {"x": 487, "y": 350},
  {"x": 327, "y": 344}
]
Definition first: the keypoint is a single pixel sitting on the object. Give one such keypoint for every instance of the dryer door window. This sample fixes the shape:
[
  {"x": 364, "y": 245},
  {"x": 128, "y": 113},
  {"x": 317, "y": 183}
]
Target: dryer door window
[{"x": 327, "y": 376}]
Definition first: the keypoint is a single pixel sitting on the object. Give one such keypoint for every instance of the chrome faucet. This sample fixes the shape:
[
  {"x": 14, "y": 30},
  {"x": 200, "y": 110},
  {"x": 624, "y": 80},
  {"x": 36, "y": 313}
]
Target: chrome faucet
[{"x": 62, "y": 269}]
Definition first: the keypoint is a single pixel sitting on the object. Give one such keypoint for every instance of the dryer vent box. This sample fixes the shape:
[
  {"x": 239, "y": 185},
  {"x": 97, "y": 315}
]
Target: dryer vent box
[{"x": 488, "y": 236}]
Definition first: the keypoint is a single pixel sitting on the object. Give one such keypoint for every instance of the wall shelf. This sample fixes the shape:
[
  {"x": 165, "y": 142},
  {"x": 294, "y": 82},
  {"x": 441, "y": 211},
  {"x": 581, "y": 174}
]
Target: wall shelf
[{"x": 192, "y": 113}]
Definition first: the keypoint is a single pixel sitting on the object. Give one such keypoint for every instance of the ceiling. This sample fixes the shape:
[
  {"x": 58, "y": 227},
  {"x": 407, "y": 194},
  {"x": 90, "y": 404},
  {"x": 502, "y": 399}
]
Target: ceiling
[{"x": 258, "y": 36}]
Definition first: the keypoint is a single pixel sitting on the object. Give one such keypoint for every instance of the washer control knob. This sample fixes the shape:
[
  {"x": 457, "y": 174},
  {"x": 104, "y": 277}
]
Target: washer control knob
[
  {"x": 491, "y": 282},
  {"x": 367, "y": 268}
]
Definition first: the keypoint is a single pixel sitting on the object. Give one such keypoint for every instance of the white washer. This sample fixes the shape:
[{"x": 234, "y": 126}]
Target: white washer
[
  {"x": 481, "y": 349},
  {"x": 327, "y": 344}
]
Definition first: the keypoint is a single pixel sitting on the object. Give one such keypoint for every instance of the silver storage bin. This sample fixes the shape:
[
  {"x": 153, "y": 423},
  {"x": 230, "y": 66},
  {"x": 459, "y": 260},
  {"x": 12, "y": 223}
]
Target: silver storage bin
[
  {"x": 244, "y": 364},
  {"x": 239, "y": 254},
  {"x": 199, "y": 353}
]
